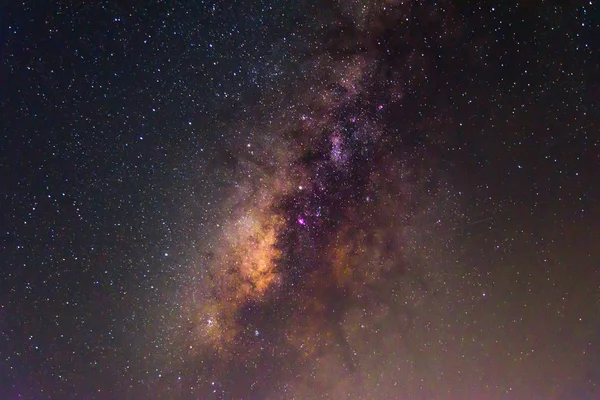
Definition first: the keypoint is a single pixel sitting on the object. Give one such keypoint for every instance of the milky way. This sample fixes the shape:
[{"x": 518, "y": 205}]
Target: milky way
[{"x": 317, "y": 272}]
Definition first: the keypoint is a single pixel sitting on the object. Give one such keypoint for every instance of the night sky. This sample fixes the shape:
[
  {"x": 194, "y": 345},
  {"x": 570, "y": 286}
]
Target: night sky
[{"x": 299, "y": 200}]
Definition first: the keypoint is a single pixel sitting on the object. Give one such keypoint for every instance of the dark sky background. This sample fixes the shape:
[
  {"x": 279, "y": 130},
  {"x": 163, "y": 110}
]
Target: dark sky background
[{"x": 300, "y": 200}]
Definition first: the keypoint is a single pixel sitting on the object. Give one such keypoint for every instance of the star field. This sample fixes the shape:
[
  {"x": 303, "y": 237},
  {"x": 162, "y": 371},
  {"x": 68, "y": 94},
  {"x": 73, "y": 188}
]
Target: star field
[{"x": 300, "y": 200}]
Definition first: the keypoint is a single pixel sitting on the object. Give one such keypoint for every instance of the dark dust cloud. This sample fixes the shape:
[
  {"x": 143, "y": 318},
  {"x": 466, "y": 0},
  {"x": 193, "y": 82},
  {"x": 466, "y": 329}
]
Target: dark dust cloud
[{"x": 300, "y": 200}]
